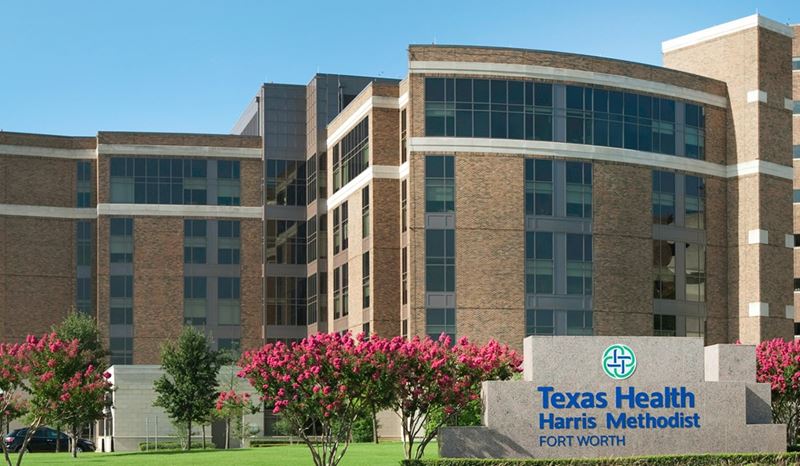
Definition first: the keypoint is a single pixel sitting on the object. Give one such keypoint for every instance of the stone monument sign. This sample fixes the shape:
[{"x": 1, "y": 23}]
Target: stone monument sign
[{"x": 586, "y": 397}]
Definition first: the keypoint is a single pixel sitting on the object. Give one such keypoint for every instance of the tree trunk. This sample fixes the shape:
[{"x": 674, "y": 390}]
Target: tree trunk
[
  {"x": 204, "y": 436},
  {"x": 189, "y": 436},
  {"x": 58, "y": 439},
  {"x": 374, "y": 426},
  {"x": 227, "y": 433},
  {"x": 74, "y": 441}
]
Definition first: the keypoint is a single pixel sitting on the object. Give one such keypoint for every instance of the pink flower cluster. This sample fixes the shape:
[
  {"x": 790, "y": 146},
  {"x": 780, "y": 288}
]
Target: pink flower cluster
[
  {"x": 778, "y": 364},
  {"x": 233, "y": 400}
]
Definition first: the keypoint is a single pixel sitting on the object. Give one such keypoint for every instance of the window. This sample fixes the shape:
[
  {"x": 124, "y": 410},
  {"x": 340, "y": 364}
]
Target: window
[
  {"x": 694, "y": 135},
  {"x": 365, "y": 280},
  {"x": 311, "y": 299},
  {"x": 579, "y": 189},
  {"x": 539, "y": 187},
  {"x": 229, "y": 243},
  {"x": 404, "y": 328},
  {"x": 579, "y": 322},
  {"x": 365, "y": 329},
  {"x": 694, "y": 202},
  {"x": 797, "y": 285},
  {"x": 796, "y": 196},
  {"x": 579, "y": 115},
  {"x": 796, "y": 240},
  {"x": 539, "y": 322},
  {"x": 340, "y": 238},
  {"x": 796, "y": 107},
  {"x": 695, "y": 272},
  {"x": 539, "y": 262},
  {"x": 121, "y": 300},
  {"x": 311, "y": 242},
  {"x": 286, "y": 300},
  {"x": 440, "y": 321},
  {"x": 194, "y": 300},
  {"x": 121, "y": 240},
  {"x": 403, "y": 136},
  {"x": 664, "y": 269},
  {"x": 695, "y": 326},
  {"x": 228, "y": 182},
  {"x": 84, "y": 186},
  {"x": 228, "y": 294},
  {"x": 440, "y": 260},
  {"x": 664, "y": 325},
  {"x": 311, "y": 179},
  {"x": 796, "y": 151},
  {"x": 340, "y": 291},
  {"x": 795, "y": 63},
  {"x": 354, "y": 151},
  {"x": 84, "y": 242},
  {"x": 404, "y": 274},
  {"x": 160, "y": 180},
  {"x": 663, "y": 198},
  {"x": 439, "y": 184},
  {"x": 232, "y": 345},
  {"x": 365, "y": 212},
  {"x": 194, "y": 241},
  {"x": 285, "y": 182},
  {"x": 121, "y": 349},
  {"x": 403, "y": 205},
  {"x": 84, "y": 295},
  {"x": 286, "y": 242},
  {"x": 579, "y": 264}
]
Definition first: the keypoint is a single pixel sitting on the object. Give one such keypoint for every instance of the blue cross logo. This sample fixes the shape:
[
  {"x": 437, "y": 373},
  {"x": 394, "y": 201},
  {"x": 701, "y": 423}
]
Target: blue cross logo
[{"x": 619, "y": 362}]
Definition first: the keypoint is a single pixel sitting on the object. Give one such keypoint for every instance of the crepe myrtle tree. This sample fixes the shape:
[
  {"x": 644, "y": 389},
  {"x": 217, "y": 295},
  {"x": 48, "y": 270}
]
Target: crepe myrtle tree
[
  {"x": 778, "y": 364},
  {"x": 232, "y": 407},
  {"x": 44, "y": 369},
  {"x": 324, "y": 380},
  {"x": 12, "y": 403},
  {"x": 430, "y": 376}
]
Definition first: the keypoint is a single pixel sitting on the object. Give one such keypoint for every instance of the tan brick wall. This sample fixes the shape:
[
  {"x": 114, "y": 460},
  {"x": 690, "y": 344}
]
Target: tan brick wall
[
  {"x": 384, "y": 136},
  {"x": 38, "y": 181},
  {"x": 385, "y": 283},
  {"x": 178, "y": 139},
  {"x": 47, "y": 140},
  {"x": 251, "y": 293},
  {"x": 37, "y": 274}
]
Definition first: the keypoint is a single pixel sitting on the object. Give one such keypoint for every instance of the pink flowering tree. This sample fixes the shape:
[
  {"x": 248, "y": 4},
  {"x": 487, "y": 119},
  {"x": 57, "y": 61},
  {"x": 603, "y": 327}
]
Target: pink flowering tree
[
  {"x": 778, "y": 364},
  {"x": 53, "y": 388},
  {"x": 320, "y": 382},
  {"x": 433, "y": 375},
  {"x": 232, "y": 407},
  {"x": 12, "y": 403}
]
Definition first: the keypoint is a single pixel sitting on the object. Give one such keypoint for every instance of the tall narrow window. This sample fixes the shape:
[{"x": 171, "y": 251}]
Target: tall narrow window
[
  {"x": 694, "y": 132},
  {"x": 194, "y": 241},
  {"x": 121, "y": 300},
  {"x": 228, "y": 190},
  {"x": 365, "y": 212},
  {"x": 539, "y": 262},
  {"x": 311, "y": 299},
  {"x": 121, "y": 240},
  {"x": 695, "y": 200},
  {"x": 84, "y": 184},
  {"x": 403, "y": 136},
  {"x": 539, "y": 187},
  {"x": 311, "y": 179},
  {"x": 579, "y": 189},
  {"x": 664, "y": 325},
  {"x": 404, "y": 274},
  {"x": 351, "y": 155},
  {"x": 579, "y": 264},
  {"x": 337, "y": 230},
  {"x": 695, "y": 272},
  {"x": 345, "y": 290},
  {"x": 84, "y": 233},
  {"x": 337, "y": 292},
  {"x": 439, "y": 184},
  {"x": 663, "y": 198},
  {"x": 440, "y": 259},
  {"x": 285, "y": 183},
  {"x": 664, "y": 269},
  {"x": 440, "y": 321},
  {"x": 228, "y": 289},
  {"x": 311, "y": 243},
  {"x": 365, "y": 279},
  {"x": 84, "y": 295},
  {"x": 194, "y": 300},
  {"x": 345, "y": 236},
  {"x": 403, "y": 205},
  {"x": 540, "y": 322},
  {"x": 229, "y": 242}
]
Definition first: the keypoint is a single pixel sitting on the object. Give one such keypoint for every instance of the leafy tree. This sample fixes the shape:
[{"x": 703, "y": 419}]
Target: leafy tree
[
  {"x": 232, "y": 407},
  {"x": 91, "y": 355},
  {"x": 188, "y": 389},
  {"x": 12, "y": 379},
  {"x": 778, "y": 364}
]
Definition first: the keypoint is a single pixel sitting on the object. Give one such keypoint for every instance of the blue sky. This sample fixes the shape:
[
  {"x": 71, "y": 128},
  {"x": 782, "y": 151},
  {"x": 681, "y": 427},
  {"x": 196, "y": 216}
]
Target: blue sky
[{"x": 76, "y": 67}]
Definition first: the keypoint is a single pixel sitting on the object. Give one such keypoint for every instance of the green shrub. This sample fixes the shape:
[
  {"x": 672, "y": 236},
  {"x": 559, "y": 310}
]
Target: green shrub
[
  {"x": 736, "y": 459},
  {"x": 362, "y": 429},
  {"x": 171, "y": 445}
]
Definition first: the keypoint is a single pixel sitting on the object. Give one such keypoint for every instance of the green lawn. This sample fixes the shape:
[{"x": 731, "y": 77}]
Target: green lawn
[{"x": 359, "y": 454}]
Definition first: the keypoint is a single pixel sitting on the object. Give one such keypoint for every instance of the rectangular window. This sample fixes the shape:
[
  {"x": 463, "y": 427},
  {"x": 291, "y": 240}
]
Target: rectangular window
[
  {"x": 695, "y": 201},
  {"x": 439, "y": 184},
  {"x": 228, "y": 289},
  {"x": 663, "y": 198},
  {"x": 286, "y": 242},
  {"x": 579, "y": 322},
  {"x": 337, "y": 230},
  {"x": 664, "y": 269},
  {"x": 194, "y": 241},
  {"x": 550, "y": 322},
  {"x": 404, "y": 275},
  {"x": 84, "y": 186},
  {"x": 579, "y": 264},
  {"x": 285, "y": 183},
  {"x": 311, "y": 179},
  {"x": 365, "y": 212},
  {"x": 579, "y": 189},
  {"x": 311, "y": 299},
  {"x": 440, "y": 321},
  {"x": 230, "y": 345},
  {"x": 539, "y": 262},
  {"x": 340, "y": 291},
  {"x": 228, "y": 191},
  {"x": 403, "y": 205},
  {"x": 796, "y": 196},
  {"x": 229, "y": 242},
  {"x": 403, "y": 136},
  {"x": 795, "y": 63},
  {"x": 161, "y": 180},
  {"x": 121, "y": 349},
  {"x": 365, "y": 329},
  {"x": 194, "y": 300},
  {"x": 343, "y": 228},
  {"x": 121, "y": 247},
  {"x": 84, "y": 242},
  {"x": 664, "y": 325},
  {"x": 365, "y": 272},
  {"x": 796, "y": 151},
  {"x": 344, "y": 269},
  {"x": 695, "y": 272},
  {"x": 796, "y": 240},
  {"x": 539, "y": 187},
  {"x": 286, "y": 301},
  {"x": 440, "y": 260},
  {"x": 540, "y": 322},
  {"x": 84, "y": 295},
  {"x": 311, "y": 242},
  {"x": 694, "y": 133},
  {"x": 121, "y": 300},
  {"x": 797, "y": 285},
  {"x": 354, "y": 150}
]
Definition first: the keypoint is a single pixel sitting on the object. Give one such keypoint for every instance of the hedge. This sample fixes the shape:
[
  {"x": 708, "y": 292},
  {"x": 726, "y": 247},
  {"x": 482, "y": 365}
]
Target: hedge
[
  {"x": 736, "y": 459},
  {"x": 172, "y": 445}
]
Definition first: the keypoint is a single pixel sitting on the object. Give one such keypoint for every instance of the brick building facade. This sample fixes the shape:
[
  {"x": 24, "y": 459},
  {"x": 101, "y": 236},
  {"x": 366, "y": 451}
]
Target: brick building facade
[{"x": 492, "y": 192}]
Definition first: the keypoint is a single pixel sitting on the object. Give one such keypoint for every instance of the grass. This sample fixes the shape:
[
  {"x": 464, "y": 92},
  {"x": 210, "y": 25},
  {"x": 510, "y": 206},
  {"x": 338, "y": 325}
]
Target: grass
[{"x": 359, "y": 454}]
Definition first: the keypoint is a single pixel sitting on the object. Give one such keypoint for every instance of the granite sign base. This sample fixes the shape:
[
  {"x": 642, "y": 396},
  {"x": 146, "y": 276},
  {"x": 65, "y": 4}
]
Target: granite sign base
[{"x": 584, "y": 397}]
